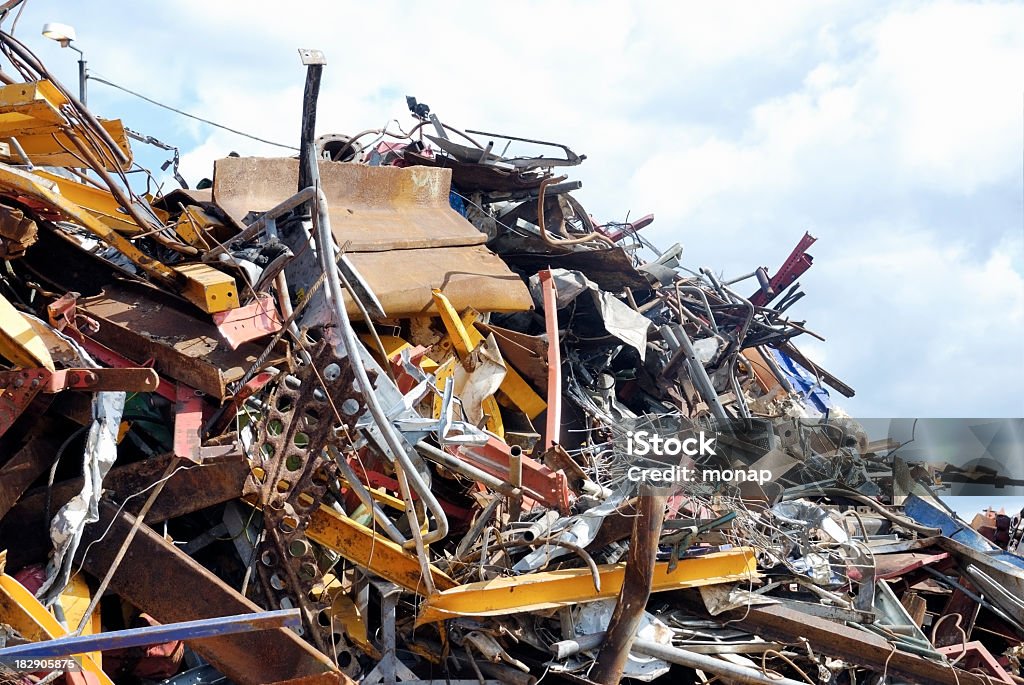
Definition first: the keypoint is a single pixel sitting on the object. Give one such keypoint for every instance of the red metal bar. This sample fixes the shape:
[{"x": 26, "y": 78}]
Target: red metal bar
[
  {"x": 188, "y": 424},
  {"x": 554, "y": 417},
  {"x": 113, "y": 359},
  {"x": 795, "y": 265},
  {"x": 251, "y": 322},
  {"x": 539, "y": 483}
]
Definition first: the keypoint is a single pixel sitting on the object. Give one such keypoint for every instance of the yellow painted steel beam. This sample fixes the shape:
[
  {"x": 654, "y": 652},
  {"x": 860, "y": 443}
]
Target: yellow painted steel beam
[
  {"x": 552, "y": 589},
  {"x": 20, "y": 610},
  {"x": 34, "y": 191},
  {"x": 514, "y": 386},
  {"x": 379, "y": 554},
  {"x": 209, "y": 289},
  {"x": 32, "y": 107},
  {"x": 100, "y": 203},
  {"x": 193, "y": 226},
  {"x": 19, "y": 341},
  {"x": 52, "y": 148},
  {"x": 75, "y": 600},
  {"x": 453, "y": 324}
]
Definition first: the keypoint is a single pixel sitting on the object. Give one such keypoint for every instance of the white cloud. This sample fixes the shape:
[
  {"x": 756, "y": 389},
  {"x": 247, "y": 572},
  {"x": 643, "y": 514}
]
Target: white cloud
[{"x": 890, "y": 131}]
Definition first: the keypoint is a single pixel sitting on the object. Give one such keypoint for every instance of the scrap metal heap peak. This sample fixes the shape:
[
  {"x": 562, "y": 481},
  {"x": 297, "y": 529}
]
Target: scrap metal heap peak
[{"x": 366, "y": 414}]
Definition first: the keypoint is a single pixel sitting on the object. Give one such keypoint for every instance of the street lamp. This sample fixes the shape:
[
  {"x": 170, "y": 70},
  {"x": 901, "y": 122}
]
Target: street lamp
[{"x": 65, "y": 35}]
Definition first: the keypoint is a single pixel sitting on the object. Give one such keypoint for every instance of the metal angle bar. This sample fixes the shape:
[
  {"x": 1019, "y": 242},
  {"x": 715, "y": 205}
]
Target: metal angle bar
[
  {"x": 545, "y": 590},
  {"x": 188, "y": 424},
  {"x": 151, "y": 635}
]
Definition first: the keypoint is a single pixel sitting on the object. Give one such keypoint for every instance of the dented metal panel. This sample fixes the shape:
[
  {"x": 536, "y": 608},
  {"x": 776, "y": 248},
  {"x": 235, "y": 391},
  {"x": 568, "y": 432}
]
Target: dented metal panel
[
  {"x": 147, "y": 325},
  {"x": 372, "y": 208}
]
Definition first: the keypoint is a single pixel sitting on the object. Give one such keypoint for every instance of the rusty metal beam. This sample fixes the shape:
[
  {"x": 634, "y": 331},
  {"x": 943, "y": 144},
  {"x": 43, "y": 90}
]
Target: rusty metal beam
[
  {"x": 21, "y": 470},
  {"x": 636, "y": 587},
  {"x": 189, "y": 489},
  {"x": 849, "y": 644},
  {"x": 146, "y": 324},
  {"x": 164, "y": 582}
]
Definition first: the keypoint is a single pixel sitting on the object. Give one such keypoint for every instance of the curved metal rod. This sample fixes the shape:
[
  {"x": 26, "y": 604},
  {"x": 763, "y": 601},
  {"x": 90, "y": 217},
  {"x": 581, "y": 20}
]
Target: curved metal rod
[{"x": 406, "y": 470}]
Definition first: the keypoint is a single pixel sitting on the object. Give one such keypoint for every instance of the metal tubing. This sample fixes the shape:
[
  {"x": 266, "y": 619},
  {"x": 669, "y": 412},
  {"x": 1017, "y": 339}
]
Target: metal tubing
[
  {"x": 468, "y": 470},
  {"x": 699, "y": 376},
  {"x": 739, "y": 674},
  {"x": 367, "y": 499},
  {"x": 581, "y": 643},
  {"x": 407, "y": 472}
]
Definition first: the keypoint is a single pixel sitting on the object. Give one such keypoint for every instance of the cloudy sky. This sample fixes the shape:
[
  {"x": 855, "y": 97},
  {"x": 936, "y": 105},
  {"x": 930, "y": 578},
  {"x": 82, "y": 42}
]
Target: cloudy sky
[{"x": 891, "y": 131}]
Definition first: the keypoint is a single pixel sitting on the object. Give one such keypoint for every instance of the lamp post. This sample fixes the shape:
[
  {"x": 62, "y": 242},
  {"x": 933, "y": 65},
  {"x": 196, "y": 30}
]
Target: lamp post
[{"x": 65, "y": 35}]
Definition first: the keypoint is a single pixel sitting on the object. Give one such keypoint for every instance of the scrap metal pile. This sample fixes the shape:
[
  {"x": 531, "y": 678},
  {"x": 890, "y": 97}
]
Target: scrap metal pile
[{"x": 401, "y": 410}]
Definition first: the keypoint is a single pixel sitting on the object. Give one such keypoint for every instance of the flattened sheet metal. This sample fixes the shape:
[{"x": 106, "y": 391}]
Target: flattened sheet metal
[
  {"x": 371, "y": 208},
  {"x": 470, "y": 276},
  {"x": 551, "y": 589},
  {"x": 143, "y": 324}
]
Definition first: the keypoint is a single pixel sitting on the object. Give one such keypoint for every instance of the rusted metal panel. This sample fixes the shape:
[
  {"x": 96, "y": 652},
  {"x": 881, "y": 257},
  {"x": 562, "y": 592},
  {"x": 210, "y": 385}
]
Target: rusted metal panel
[
  {"x": 188, "y": 489},
  {"x": 371, "y": 208},
  {"x": 143, "y": 324},
  {"x": 22, "y": 469},
  {"x": 470, "y": 276},
  {"x": 154, "y": 576}
]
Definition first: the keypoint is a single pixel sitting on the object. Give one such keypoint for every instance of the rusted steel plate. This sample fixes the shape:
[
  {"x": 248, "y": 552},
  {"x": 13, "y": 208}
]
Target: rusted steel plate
[
  {"x": 144, "y": 324},
  {"x": 164, "y": 582},
  {"x": 470, "y": 276},
  {"x": 22, "y": 469},
  {"x": 371, "y": 208},
  {"x": 189, "y": 489}
]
